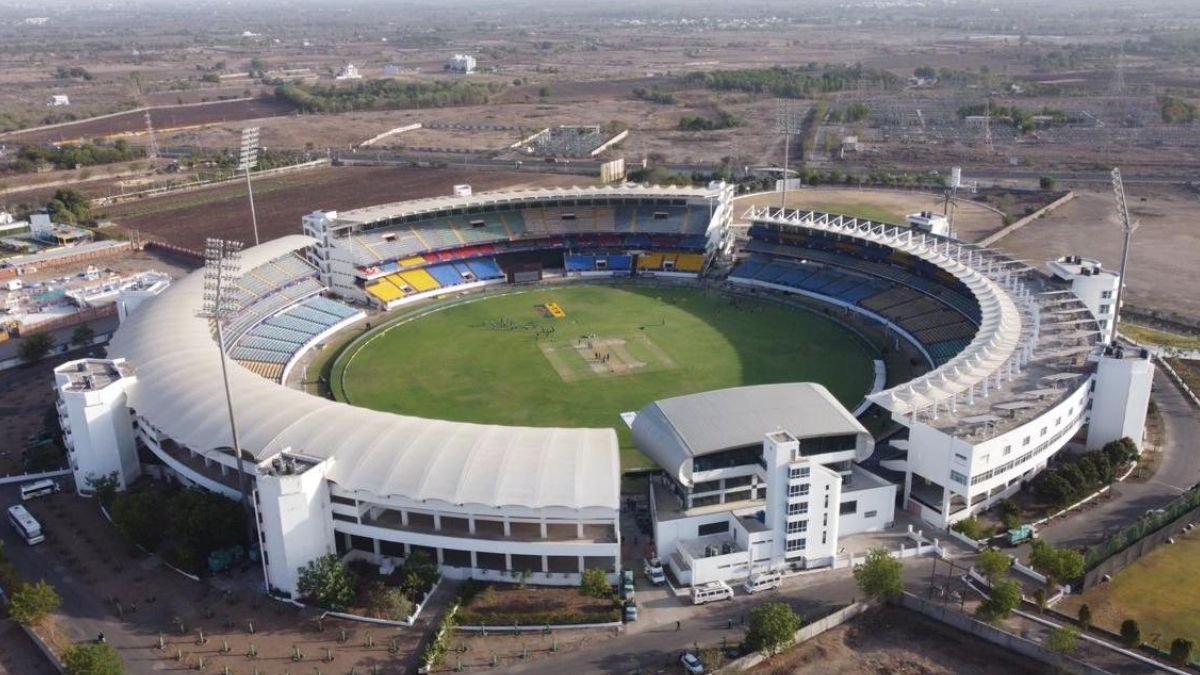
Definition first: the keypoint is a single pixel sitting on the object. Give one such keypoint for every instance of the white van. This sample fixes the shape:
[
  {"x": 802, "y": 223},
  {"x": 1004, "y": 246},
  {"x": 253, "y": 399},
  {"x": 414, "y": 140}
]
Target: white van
[
  {"x": 763, "y": 581},
  {"x": 25, "y": 524},
  {"x": 711, "y": 592},
  {"x": 39, "y": 488}
]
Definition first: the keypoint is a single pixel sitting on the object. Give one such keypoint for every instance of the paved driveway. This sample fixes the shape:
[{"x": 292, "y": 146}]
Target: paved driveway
[{"x": 1178, "y": 470}]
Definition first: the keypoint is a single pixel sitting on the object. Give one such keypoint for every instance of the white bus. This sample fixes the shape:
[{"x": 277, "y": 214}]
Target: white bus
[
  {"x": 26, "y": 525},
  {"x": 711, "y": 592},
  {"x": 39, "y": 488}
]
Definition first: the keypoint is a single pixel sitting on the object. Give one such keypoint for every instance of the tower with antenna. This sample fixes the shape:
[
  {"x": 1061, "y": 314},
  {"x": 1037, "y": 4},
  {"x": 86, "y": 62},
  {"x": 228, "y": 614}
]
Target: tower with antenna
[{"x": 152, "y": 150}]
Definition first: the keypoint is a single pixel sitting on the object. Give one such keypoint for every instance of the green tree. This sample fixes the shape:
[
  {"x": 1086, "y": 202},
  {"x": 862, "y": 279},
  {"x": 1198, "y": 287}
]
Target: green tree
[
  {"x": 31, "y": 603},
  {"x": 1181, "y": 651},
  {"x": 69, "y": 206},
  {"x": 1010, "y": 514},
  {"x": 89, "y": 658},
  {"x": 104, "y": 487},
  {"x": 35, "y": 347},
  {"x": 1056, "y": 564},
  {"x": 1047, "y": 183},
  {"x": 83, "y": 335},
  {"x": 1131, "y": 633},
  {"x": 1085, "y": 616},
  {"x": 327, "y": 582},
  {"x": 993, "y": 565},
  {"x": 141, "y": 517},
  {"x": 880, "y": 577},
  {"x": 388, "y": 602},
  {"x": 201, "y": 522},
  {"x": 543, "y": 92},
  {"x": 773, "y": 626},
  {"x": 1006, "y": 596},
  {"x": 595, "y": 583},
  {"x": 1063, "y": 640}
]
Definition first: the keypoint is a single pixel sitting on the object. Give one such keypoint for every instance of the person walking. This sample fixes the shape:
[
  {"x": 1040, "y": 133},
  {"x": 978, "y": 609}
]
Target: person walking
[{"x": 678, "y": 625}]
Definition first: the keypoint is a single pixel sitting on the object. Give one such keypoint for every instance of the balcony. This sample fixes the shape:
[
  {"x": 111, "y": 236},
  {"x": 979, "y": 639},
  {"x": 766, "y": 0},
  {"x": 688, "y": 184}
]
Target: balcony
[
  {"x": 194, "y": 468},
  {"x": 493, "y": 530}
]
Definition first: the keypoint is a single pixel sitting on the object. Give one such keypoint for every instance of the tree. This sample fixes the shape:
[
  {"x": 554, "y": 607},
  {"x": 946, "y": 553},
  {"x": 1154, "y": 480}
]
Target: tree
[
  {"x": 1010, "y": 514},
  {"x": 595, "y": 583},
  {"x": 89, "y": 658},
  {"x": 993, "y": 565},
  {"x": 326, "y": 582},
  {"x": 104, "y": 487},
  {"x": 543, "y": 92},
  {"x": 35, "y": 347},
  {"x": 201, "y": 522},
  {"x": 1085, "y": 617},
  {"x": 1063, "y": 640},
  {"x": 1047, "y": 183},
  {"x": 140, "y": 517},
  {"x": 31, "y": 603},
  {"x": 1006, "y": 596},
  {"x": 82, "y": 335},
  {"x": 1181, "y": 651},
  {"x": 1039, "y": 598},
  {"x": 1056, "y": 564},
  {"x": 1131, "y": 633},
  {"x": 880, "y": 577},
  {"x": 388, "y": 602},
  {"x": 69, "y": 206},
  {"x": 773, "y": 626}
]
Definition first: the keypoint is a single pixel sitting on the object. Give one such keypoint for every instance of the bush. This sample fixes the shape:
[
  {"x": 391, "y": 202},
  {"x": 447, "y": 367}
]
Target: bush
[
  {"x": 1085, "y": 616},
  {"x": 773, "y": 626},
  {"x": 973, "y": 528},
  {"x": 881, "y": 576},
  {"x": 1181, "y": 651},
  {"x": 1063, "y": 640},
  {"x": 1006, "y": 596},
  {"x": 1010, "y": 514},
  {"x": 140, "y": 516},
  {"x": 328, "y": 583},
  {"x": 595, "y": 584},
  {"x": 559, "y": 617},
  {"x": 32, "y": 603},
  {"x": 93, "y": 659},
  {"x": 388, "y": 602},
  {"x": 1131, "y": 633},
  {"x": 993, "y": 565}
]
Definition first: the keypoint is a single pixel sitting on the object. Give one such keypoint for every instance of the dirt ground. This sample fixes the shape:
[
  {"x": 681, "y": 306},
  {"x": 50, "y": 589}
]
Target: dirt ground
[
  {"x": 893, "y": 640},
  {"x": 970, "y": 220},
  {"x": 187, "y": 219},
  {"x": 146, "y": 600},
  {"x": 1162, "y": 267}
]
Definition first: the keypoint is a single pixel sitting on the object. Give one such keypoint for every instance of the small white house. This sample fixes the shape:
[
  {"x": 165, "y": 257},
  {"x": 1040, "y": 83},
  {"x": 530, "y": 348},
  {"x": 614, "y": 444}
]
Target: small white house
[
  {"x": 58, "y": 99},
  {"x": 350, "y": 72},
  {"x": 461, "y": 63}
]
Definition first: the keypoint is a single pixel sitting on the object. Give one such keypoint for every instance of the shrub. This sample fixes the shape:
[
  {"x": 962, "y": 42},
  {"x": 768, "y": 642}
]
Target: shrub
[
  {"x": 1063, "y": 640},
  {"x": 993, "y": 565},
  {"x": 773, "y": 626},
  {"x": 1131, "y": 633},
  {"x": 973, "y": 528},
  {"x": 388, "y": 602},
  {"x": 1006, "y": 596},
  {"x": 326, "y": 582},
  {"x": 89, "y": 658},
  {"x": 1181, "y": 651},
  {"x": 1010, "y": 514},
  {"x": 595, "y": 583},
  {"x": 559, "y": 617},
  {"x": 32, "y": 603},
  {"x": 1085, "y": 616},
  {"x": 880, "y": 577}
]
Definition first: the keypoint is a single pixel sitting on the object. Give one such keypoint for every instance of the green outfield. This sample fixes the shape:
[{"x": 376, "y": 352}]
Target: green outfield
[{"x": 508, "y": 360}]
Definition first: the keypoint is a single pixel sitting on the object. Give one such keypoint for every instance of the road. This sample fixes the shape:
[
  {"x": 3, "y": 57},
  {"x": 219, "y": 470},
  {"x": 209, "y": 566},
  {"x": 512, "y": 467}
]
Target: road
[
  {"x": 1178, "y": 470},
  {"x": 654, "y": 645}
]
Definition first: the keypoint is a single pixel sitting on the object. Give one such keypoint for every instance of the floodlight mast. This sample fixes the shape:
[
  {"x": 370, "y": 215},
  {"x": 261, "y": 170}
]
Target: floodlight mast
[
  {"x": 248, "y": 159},
  {"x": 222, "y": 266},
  {"x": 1128, "y": 226}
]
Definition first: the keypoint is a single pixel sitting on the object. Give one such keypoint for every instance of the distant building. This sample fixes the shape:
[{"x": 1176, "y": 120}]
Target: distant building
[
  {"x": 46, "y": 230},
  {"x": 391, "y": 70},
  {"x": 58, "y": 99},
  {"x": 461, "y": 63},
  {"x": 928, "y": 221},
  {"x": 349, "y": 73}
]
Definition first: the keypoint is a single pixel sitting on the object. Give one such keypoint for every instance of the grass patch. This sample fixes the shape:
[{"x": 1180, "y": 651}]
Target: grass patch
[
  {"x": 511, "y": 605},
  {"x": 1161, "y": 591},
  {"x": 859, "y": 210},
  {"x": 1189, "y": 370},
  {"x": 1152, "y": 336},
  {"x": 483, "y": 361}
]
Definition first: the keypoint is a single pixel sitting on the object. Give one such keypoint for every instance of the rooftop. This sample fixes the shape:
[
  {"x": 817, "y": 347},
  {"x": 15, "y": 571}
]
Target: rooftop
[{"x": 91, "y": 374}]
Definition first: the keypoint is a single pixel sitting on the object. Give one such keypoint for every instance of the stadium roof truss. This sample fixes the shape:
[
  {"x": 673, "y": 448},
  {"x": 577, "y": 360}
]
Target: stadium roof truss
[{"x": 1009, "y": 314}]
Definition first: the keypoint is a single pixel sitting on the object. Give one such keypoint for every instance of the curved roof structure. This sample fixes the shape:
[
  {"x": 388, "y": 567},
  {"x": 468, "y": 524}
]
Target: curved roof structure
[
  {"x": 178, "y": 389},
  {"x": 1004, "y": 341},
  {"x": 674, "y": 431}
]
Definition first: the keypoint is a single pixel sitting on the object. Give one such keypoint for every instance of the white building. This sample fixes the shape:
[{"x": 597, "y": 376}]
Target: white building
[
  {"x": 350, "y": 72},
  {"x": 461, "y": 63},
  {"x": 1123, "y": 380},
  {"x": 58, "y": 100},
  {"x": 97, "y": 426},
  {"x": 737, "y": 497},
  {"x": 928, "y": 221},
  {"x": 1095, "y": 286}
]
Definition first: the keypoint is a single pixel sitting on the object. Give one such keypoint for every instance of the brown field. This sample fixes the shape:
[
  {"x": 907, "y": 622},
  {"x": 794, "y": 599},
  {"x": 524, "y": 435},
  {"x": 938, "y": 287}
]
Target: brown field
[
  {"x": 187, "y": 219},
  {"x": 894, "y": 640},
  {"x": 1162, "y": 266},
  {"x": 164, "y": 119}
]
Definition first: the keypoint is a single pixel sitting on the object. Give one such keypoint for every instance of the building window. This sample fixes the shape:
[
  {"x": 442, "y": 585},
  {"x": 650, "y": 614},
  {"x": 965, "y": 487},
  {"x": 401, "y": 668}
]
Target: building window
[
  {"x": 1025, "y": 441},
  {"x": 797, "y": 509},
  {"x": 1105, "y": 295},
  {"x": 713, "y": 528},
  {"x": 824, "y": 535},
  {"x": 960, "y": 458},
  {"x": 706, "y": 486},
  {"x": 797, "y": 526},
  {"x": 795, "y": 545},
  {"x": 1105, "y": 308},
  {"x": 825, "y": 444},
  {"x": 870, "y": 514},
  {"x": 1007, "y": 449},
  {"x": 849, "y": 508},
  {"x": 798, "y": 490},
  {"x": 1044, "y": 430},
  {"x": 799, "y": 472},
  {"x": 958, "y": 478}
]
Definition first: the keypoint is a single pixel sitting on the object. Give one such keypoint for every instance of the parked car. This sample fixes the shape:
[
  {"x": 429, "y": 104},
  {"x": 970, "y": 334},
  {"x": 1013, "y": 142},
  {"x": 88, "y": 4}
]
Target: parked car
[
  {"x": 654, "y": 571},
  {"x": 691, "y": 663},
  {"x": 631, "y": 612}
]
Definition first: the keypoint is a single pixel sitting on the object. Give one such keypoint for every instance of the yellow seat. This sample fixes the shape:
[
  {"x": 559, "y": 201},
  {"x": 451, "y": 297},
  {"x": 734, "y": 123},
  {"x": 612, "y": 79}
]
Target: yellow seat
[
  {"x": 415, "y": 261},
  {"x": 420, "y": 280}
]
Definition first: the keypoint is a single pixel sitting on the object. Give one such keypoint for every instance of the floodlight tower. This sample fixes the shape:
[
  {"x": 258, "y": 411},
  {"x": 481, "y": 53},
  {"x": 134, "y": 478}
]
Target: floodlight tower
[
  {"x": 222, "y": 266},
  {"x": 1128, "y": 226},
  {"x": 248, "y": 159},
  {"x": 787, "y": 127}
]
